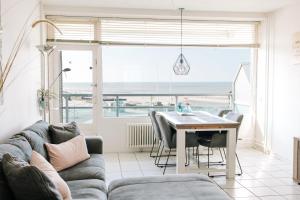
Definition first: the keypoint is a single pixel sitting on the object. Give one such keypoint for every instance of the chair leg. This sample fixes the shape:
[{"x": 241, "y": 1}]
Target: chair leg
[
  {"x": 237, "y": 158},
  {"x": 198, "y": 157},
  {"x": 204, "y": 154},
  {"x": 187, "y": 156},
  {"x": 167, "y": 162},
  {"x": 162, "y": 149},
  {"x": 221, "y": 155},
  {"x": 157, "y": 154},
  {"x": 152, "y": 148},
  {"x": 208, "y": 160}
]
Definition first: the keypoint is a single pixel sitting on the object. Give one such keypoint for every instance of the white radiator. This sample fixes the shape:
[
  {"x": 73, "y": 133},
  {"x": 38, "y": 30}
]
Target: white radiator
[{"x": 140, "y": 135}]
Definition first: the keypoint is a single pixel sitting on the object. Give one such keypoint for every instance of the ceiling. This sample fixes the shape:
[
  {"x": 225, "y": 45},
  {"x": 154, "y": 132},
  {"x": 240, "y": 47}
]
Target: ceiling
[{"x": 196, "y": 5}]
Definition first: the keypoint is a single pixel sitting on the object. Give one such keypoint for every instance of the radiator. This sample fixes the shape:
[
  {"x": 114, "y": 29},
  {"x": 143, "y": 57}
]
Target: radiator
[{"x": 140, "y": 135}]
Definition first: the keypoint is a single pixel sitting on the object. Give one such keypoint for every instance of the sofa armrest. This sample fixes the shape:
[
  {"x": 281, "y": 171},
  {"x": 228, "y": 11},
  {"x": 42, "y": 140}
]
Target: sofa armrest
[{"x": 94, "y": 144}]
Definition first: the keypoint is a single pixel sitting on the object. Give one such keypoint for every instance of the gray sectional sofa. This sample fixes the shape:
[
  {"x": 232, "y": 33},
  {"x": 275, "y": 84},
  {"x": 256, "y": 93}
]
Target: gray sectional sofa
[{"x": 86, "y": 180}]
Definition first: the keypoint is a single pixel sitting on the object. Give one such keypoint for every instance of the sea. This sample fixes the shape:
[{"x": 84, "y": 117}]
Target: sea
[{"x": 182, "y": 88}]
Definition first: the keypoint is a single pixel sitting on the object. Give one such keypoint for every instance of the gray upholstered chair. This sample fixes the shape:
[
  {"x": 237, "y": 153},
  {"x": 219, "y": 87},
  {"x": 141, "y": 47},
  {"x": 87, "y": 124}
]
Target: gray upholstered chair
[
  {"x": 156, "y": 130},
  {"x": 217, "y": 139},
  {"x": 221, "y": 113},
  {"x": 157, "y": 137},
  {"x": 168, "y": 135}
]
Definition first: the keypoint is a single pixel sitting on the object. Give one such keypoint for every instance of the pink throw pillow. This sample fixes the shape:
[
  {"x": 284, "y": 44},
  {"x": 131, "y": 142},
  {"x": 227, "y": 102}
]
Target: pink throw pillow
[
  {"x": 67, "y": 154},
  {"x": 42, "y": 164}
]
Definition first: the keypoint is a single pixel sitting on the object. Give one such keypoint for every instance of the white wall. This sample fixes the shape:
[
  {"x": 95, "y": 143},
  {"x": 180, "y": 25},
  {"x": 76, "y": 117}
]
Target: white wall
[
  {"x": 285, "y": 88},
  {"x": 20, "y": 107}
]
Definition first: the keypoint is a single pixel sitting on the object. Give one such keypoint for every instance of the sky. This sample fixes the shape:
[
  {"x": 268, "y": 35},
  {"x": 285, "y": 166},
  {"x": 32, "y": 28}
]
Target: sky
[{"x": 155, "y": 64}]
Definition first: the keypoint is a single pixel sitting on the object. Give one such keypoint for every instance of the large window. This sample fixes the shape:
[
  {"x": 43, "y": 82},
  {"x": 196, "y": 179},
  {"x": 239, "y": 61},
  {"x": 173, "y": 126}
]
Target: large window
[
  {"x": 139, "y": 79},
  {"x": 138, "y": 56}
]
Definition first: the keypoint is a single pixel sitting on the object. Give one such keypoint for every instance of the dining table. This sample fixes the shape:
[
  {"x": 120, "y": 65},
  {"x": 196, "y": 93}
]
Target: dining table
[{"x": 202, "y": 121}]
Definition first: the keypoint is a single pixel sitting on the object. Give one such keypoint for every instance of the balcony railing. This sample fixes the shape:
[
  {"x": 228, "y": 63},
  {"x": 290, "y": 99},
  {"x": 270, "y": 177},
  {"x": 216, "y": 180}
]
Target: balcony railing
[{"x": 79, "y": 106}]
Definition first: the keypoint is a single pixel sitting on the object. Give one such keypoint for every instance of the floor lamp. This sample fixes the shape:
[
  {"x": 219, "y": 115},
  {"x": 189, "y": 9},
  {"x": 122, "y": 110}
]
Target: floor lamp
[{"x": 46, "y": 50}]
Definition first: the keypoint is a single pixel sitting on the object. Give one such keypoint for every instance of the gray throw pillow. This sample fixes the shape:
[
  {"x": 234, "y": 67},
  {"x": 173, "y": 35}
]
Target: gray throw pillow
[
  {"x": 28, "y": 182},
  {"x": 64, "y": 133}
]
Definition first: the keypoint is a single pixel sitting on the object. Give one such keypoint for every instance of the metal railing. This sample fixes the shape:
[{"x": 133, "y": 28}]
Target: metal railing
[{"x": 118, "y": 104}]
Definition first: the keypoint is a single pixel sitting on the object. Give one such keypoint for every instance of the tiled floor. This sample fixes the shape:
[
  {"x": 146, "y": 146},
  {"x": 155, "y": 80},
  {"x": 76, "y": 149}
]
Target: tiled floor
[{"x": 265, "y": 177}]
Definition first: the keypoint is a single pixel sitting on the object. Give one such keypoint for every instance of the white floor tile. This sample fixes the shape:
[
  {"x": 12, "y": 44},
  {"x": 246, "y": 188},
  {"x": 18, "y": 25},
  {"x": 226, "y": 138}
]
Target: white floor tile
[
  {"x": 247, "y": 198},
  {"x": 287, "y": 190},
  {"x": 251, "y": 183},
  {"x": 262, "y": 191},
  {"x": 130, "y": 167},
  {"x": 288, "y": 181},
  {"x": 282, "y": 174},
  {"x": 292, "y": 197},
  {"x": 128, "y": 174},
  {"x": 271, "y": 182},
  {"x": 239, "y": 193},
  {"x": 272, "y": 198}
]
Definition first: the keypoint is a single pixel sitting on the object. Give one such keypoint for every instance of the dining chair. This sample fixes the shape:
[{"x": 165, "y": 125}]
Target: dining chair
[
  {"x": 156, "y": 131},
  {"x": 157, "y": 137},
  {"x": 169, "y": 139},
  {"x": 218, "y": 139},
  {"x": 207, "y": 134}
]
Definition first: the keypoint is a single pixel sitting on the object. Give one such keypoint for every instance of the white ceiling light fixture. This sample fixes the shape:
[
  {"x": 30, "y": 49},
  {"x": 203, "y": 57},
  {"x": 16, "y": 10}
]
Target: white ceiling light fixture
[{"x": 181, "y": 66}]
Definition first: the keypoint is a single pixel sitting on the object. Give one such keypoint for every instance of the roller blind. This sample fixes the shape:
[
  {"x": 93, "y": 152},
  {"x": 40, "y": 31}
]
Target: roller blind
[
  {"x": 168, "y": 32},
  {"x": 160, "y": 32},
  {"x": 73, "y": 31}
]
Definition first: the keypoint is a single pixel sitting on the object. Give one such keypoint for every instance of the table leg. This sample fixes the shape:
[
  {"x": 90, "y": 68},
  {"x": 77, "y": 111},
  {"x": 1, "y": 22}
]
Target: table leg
[
  {"x": 180, "y": 152},
  {"x": 231, "y": 149}
]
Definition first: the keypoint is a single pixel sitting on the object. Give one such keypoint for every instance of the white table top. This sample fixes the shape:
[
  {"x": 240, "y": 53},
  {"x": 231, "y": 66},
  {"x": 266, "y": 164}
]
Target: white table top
[{"x": 198, "y": 120}]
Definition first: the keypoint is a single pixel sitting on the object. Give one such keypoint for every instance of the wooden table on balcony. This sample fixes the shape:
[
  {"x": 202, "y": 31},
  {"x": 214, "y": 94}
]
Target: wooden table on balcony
[{"x": 202, "y": 121}]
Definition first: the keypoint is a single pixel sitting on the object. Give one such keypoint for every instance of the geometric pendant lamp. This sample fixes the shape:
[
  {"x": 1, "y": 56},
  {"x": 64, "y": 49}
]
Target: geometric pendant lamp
[{"x": 181, "y": 66}]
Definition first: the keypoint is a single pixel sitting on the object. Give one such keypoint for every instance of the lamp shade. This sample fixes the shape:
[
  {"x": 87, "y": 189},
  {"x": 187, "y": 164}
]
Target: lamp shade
[{"x": 181, "y": 66}]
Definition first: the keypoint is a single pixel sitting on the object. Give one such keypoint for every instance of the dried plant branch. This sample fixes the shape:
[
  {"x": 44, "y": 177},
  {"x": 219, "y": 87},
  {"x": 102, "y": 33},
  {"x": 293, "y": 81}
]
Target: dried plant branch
[
  {"x": 11, "y": 60},
  {"x": 16, "y": 48}
]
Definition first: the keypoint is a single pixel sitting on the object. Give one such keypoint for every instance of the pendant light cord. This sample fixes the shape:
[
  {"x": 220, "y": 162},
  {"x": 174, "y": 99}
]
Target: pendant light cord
[{"x": 181, "y": 10}]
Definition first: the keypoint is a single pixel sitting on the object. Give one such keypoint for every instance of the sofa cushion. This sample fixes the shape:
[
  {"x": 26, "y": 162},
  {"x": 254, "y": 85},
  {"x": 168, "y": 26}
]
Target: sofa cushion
[
  {"x": 41, "y": 128},
  {"x": 68, "y": 154},
  {"x": 5, "y": 192},
  {"x": 37, "y": 135},
  {"x": 43, "y": 165},
  {"x": 36, "y": 142},
  {"x": 92, "y": 168},
  {"x": 28, "y": 182},
  {"x": 91, "y": 189},
  {"x": 21, "y": 142},
  {"x": 63, "y": 133},
  {"x": 175, "y": 187}
]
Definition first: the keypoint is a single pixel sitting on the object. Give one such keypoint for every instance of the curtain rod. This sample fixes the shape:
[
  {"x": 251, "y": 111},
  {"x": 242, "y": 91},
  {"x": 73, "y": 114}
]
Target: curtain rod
[
  {"x": 110, "y": 43},
  {"x": 59, "y": 17}
]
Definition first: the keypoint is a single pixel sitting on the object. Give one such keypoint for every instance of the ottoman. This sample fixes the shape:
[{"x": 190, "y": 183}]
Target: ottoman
[{"x": 169, "y": 187}]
